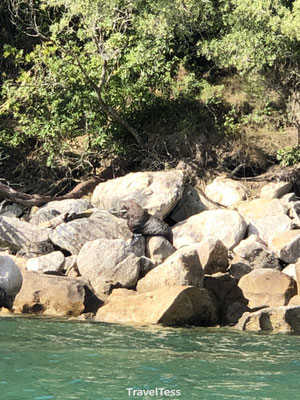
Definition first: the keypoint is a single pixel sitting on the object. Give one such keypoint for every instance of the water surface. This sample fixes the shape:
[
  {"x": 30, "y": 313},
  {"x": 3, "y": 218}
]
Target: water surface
[{"x": 52, "y": 359}]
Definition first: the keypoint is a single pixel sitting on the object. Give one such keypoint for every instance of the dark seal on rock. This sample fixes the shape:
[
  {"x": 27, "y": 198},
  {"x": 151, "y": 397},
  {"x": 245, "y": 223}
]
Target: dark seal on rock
[{"x": 140, "y": 222}]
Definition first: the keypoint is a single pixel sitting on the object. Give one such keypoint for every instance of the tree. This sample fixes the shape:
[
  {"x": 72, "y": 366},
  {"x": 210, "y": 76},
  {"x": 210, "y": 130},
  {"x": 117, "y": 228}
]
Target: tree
[
  {"x": 261, "y": 37},
  {"x": 96, "y": 63}
]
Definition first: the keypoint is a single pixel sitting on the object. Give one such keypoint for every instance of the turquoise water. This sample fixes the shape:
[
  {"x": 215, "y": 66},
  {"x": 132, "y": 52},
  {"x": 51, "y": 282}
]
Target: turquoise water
[{"x": 50, "y": 359}]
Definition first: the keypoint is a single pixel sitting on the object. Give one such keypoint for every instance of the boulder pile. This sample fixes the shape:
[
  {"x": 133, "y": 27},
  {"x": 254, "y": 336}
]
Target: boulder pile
[{"x": 233, "y": 261}]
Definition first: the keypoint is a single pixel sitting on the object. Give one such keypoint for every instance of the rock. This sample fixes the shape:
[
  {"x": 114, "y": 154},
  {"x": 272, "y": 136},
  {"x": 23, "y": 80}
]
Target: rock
[
  {"x": 230, "y": 301},
  {"x": 286, "y": 245},
  {"x": 290, "y": 271},
  {"x": 179, "y": 305},
  {"x": 297, "y": 272},
  {"x": 295, "y": 301},
  {"x": 146, "y": 265},
  {"x": 52, "y": 262},
  {"x": 239, "y": 267},
  {"x": 17, "y": 234},
  {"x": 183, "y": 268},
  {"x": 213, "y": 255},
  {"x": 73, "y": 235},
  {"x": 158, "y": 192},
  {"x": 12, "y": 210},
  {"x": 276, "y": 319},
  {"x": 226, "y": 192},
  {"x": 275, "y": 190},
  {"x": 267, "y": 227},
  {"x": 267, "y": 288},
  {"x": 107, "y": 263},
  {"x": 138, "y": 245},
  {"x": 288, "y": 199},
  {"x": 50, "y": 295},
  {"x": 54, "y": 208},
  {"x": 10, "y": 281},
  {"x": 190, "y": 204},
  {"x": 255, "y": 251},
  {"x": 158, "y": 248},
  {"x": 212, "y": 223},
  {"x": 261, "y": 208},
  {"x": 70, "y": 266}
]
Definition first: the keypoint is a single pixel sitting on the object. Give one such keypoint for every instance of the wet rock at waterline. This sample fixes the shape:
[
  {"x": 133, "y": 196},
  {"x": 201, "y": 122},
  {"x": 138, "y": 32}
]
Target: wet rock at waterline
[
  {"x": 10, "y": 281},
  {"x": 169, "y": 306}
]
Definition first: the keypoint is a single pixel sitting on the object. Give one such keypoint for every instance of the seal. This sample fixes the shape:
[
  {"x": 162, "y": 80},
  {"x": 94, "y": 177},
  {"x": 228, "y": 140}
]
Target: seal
[{"x": 140, "y": 222}]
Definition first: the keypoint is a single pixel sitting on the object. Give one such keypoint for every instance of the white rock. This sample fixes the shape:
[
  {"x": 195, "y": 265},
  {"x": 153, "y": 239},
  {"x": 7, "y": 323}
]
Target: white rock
[
  {"x": 52, "y": 262},
  {"x": 275, "y": 190},
  {"x": 267, "y": 227},
  {"x": 226, "y": 192},
  {"x": 158, "y": 192},
  {"x": 225, "y": 225}
]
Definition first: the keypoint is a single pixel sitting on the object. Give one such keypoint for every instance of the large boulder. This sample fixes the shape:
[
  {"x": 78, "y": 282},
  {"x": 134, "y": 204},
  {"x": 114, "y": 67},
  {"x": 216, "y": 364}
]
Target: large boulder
[
  {"x": 267, "y": 288},
  {"x": 190, "y": 204},
  {"x": 54, "y": 208},
  {"x": 52, "y": 262},
  {"x": 213, "y": 255},
  {"x": 267, "y": 227},
  {"x": 73, "y": 235},
  {"x": 225, "y": 225},
  {"x": 158, "y": 249},
  {"x": 261, "y": 208},
  {"x": 226, "y": 192},
  {"x": 275, "y": 190},
  {"x": 255, "y": 251},
  {"x": 10, "y": 281},
  {"x": 50, "y": 295},
  {"x": 158, "y": 192},
  {"x": 107, "y": 263},
  {"x": 19, "y": 235},
  {"x": 286, "y": 245},
  {"x": 179, "y": 305},
  {"x": 230, "y": 301},
  {"x": 183, "y": 268},
  {"x": 276, "y": 319}
]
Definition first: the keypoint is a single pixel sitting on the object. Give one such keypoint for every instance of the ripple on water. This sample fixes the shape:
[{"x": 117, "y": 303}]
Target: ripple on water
[{"x": 47, "y": 359}]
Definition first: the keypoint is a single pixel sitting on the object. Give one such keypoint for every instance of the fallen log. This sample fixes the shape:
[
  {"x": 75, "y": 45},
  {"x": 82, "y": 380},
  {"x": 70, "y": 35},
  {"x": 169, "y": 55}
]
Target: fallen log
[{"x": 30, "y": 200}]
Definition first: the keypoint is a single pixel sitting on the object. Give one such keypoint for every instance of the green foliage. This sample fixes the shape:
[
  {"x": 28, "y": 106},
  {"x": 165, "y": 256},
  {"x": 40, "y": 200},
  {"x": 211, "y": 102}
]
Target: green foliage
[{"x": 288, "y": 156}]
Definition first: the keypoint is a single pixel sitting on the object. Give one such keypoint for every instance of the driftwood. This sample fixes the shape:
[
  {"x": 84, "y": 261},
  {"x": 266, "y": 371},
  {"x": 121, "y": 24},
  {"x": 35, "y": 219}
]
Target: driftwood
[{"x": 30, "y": 200}]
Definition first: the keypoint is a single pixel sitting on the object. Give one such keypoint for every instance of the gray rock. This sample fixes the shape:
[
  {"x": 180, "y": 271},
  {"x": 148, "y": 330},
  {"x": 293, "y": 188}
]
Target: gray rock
[
  {"x": 54, "y": 208},
  {"x": 158, "y": 248},
  {"x": 17, "y": 235},
  {"x": 107, "y": 263},
  {"x": 52, "y": 262},
  {"x": 73, "y": 235},
  {"x": 239, "y": 267},
  {"x": 10, "y": 281},
  {"x": 255, "y": 251},
  {"x": 190, "y": 204}
]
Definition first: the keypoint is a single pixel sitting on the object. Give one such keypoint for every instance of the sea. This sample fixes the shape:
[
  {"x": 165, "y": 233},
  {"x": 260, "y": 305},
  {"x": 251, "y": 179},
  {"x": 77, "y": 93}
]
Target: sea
[{"x": 45, "y": 359}]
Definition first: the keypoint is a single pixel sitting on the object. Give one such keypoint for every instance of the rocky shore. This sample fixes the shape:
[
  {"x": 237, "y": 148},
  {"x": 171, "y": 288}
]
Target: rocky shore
[{"x": 233, "y": 260}]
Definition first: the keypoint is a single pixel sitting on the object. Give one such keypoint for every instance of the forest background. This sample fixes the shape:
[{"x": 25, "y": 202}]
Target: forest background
[{"x": 135, "y": 85}]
